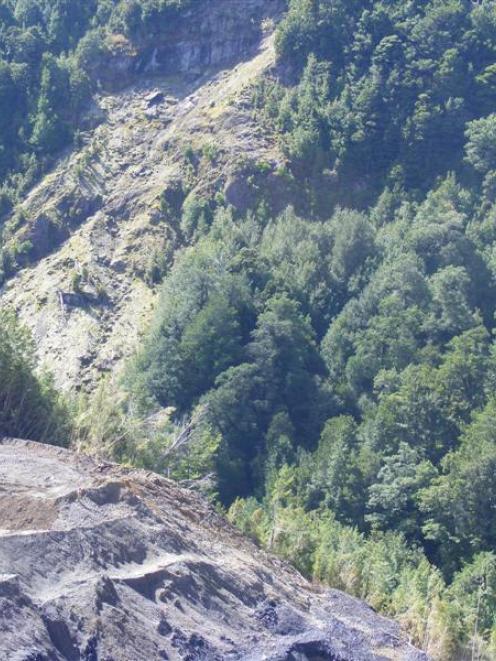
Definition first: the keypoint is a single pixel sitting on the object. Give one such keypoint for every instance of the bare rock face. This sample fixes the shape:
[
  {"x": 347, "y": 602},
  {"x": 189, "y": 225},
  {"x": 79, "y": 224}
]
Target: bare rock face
[
  {"x": 215, "y": 33},
  {"x": 102, "y": 563}
]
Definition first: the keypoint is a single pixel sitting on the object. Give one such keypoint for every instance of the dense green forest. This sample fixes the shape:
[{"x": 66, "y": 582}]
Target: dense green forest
[{"x": 333, "y": 372}]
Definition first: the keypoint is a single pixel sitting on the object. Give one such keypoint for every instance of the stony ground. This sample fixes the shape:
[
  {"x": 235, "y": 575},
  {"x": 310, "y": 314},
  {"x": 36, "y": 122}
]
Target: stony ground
[{"x": 100, "y": 562}]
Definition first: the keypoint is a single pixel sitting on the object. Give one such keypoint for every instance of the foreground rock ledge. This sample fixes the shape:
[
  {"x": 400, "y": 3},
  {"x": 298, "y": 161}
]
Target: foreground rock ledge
[{"x": 102, "y": 563}]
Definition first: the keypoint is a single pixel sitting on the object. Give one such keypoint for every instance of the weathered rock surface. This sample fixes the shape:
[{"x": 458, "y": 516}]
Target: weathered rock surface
[
  {"x": 102, "y": 563},
  {"x": 211, "y": 35}
]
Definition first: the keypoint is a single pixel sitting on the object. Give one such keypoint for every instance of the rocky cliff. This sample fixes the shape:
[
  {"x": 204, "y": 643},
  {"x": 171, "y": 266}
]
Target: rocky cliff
[
  {"x": 100, "y": 562},
  {"x": 88, "y": 237},
  {"x": 216, "y": 34}
]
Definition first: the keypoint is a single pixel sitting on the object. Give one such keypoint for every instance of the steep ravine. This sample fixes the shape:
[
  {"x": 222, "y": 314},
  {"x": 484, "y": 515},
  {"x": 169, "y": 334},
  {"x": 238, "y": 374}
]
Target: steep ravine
[
  {"x": 100, "y": 562},
  {"x": 108, "y": 210}
]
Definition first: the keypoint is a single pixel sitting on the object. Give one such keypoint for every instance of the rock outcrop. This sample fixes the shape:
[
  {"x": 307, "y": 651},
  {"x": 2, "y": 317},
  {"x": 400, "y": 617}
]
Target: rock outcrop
[
  {"x": 215, "y": 34},
  {"x": 102, "y": 563}
]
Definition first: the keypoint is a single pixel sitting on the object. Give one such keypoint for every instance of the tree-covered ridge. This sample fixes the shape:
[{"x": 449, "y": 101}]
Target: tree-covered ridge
[{"x": 48, "y": 52}]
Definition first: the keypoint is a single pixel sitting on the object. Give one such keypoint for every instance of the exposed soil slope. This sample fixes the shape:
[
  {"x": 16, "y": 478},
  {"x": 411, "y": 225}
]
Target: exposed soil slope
[{"x": 100, "y": 562}]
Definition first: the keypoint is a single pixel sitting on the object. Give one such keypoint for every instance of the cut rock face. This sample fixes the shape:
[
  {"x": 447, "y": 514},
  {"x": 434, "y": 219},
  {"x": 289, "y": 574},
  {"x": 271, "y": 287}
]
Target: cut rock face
[{"x": 102, "y": 563}]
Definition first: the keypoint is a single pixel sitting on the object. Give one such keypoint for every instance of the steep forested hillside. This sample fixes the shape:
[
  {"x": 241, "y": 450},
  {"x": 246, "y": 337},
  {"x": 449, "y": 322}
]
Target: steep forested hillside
[
  {"x": 330, "y": 369},
  {"x": 344, "y": 368}
]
